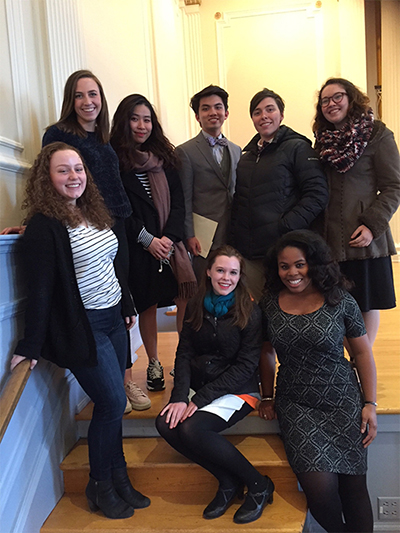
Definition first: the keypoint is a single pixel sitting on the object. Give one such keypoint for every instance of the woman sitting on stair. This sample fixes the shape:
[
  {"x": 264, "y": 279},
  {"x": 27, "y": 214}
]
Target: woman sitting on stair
[{"x": 217, "y": 358}]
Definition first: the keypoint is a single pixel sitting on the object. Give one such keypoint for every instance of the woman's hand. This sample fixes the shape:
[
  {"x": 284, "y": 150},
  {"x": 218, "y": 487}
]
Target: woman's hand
[
  {"x": 266, "y": 410},
  {"x": 369, "y": 420},
  {"x": 361, "y": 237},
  {"x": 13, "y": 230},
  {"x": 190, "y": 410},
  {"x": 174, "y": 412},
  {"x": 130, "y": 321},
  {"x": 159, "y": 248},
  {"x": 16, "y": 359}
]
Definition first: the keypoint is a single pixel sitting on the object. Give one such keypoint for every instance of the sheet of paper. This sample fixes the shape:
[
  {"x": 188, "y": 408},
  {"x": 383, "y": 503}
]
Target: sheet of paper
[{"x": 204, "y": 230}]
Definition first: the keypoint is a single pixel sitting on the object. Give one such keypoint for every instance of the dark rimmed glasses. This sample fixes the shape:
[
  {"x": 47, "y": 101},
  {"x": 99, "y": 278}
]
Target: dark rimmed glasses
[{"x": 336, "y": 98}]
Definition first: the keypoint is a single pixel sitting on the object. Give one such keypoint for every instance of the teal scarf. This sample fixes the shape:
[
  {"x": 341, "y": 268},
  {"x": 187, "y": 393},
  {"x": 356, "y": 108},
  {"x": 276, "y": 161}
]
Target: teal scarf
[{"x": 218, "y": 305}]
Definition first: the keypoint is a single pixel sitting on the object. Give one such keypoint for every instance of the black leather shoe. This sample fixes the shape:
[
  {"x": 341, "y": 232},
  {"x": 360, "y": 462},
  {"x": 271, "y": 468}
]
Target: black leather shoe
[
  {"x": 254, "y": 504},
  {"x": 221, "y": 502},
  {"x": 102, "y": 495},
  {"x": 123, "y": 486}
]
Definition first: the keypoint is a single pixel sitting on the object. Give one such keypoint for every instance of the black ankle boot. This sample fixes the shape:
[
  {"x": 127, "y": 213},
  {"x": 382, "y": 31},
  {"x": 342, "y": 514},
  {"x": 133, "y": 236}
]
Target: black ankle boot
[
  {"x": 221, "y": 502},
  {"x": 254, "y": 504},
  {"x": 102, "y": 495},
  {"x": 123, "y": 486}
]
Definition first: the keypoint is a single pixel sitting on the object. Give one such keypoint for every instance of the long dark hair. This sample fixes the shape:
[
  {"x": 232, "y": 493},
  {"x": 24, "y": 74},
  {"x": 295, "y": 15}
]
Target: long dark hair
[
  {"x": 243, "y": 306},
  {"x": 121, "y": 135},
  {"x": 358, "y": 103},
  {"x": 325, "y": 273},
  {"x": 68, "y": 121},
  {"x": 42, "y": 197}
]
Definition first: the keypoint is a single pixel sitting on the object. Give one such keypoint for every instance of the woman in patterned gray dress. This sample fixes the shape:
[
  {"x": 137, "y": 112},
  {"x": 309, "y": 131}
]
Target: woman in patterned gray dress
[{"x": 325, "y": 420}]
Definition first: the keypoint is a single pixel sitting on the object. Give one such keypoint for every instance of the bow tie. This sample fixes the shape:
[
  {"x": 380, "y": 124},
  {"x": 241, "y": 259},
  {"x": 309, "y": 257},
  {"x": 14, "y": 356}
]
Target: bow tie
[{"x": 212, "y": 141}]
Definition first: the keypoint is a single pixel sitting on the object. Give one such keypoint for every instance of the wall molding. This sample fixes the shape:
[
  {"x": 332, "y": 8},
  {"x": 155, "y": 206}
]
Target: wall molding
[
  {"x": 193, "y": 53},
  {"x": 66, "y": 48},
  {"x": 19, "y": 69}
]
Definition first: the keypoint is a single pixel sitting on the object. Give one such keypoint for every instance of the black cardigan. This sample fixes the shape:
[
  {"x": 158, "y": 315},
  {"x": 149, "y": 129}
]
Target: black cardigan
[
  {"x": 56, "y": 324},
  {"x": 240, "y": 348},
  {"x": 147, "y": 284}
]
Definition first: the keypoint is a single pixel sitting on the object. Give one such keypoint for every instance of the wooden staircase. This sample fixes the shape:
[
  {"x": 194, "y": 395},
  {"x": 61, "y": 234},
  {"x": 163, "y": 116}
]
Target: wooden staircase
[{"x": 179, "y": 490}]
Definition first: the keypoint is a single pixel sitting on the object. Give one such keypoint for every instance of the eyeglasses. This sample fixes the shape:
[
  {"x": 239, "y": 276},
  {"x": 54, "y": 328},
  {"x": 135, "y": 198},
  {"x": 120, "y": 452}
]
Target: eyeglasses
[{"x": 336, "y": 98}]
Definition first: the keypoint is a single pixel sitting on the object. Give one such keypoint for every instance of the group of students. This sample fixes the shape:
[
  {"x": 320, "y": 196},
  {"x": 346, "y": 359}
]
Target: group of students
[{"x": 82, "y": 277}]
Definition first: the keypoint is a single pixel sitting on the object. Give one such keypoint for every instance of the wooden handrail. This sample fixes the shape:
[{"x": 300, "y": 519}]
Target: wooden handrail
[{"x": 11, "y": 394}]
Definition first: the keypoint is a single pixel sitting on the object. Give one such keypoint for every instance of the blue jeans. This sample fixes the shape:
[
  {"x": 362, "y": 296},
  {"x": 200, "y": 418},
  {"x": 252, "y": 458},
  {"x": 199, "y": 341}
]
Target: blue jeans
[{"x": 104, "y": 384}]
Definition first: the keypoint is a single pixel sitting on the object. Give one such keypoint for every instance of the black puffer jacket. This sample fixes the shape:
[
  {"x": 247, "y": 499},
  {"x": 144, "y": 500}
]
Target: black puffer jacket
[
  {"x": 238, "y": 349},
  {"x": 282, "y": 189}
]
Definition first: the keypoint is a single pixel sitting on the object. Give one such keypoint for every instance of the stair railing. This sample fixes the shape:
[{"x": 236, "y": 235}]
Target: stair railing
[{"x": 11, "y": 394}]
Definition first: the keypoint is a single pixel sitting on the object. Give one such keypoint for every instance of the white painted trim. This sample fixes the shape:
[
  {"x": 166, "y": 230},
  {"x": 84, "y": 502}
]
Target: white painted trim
[
  {"x": 310, "y": 10},
  {"x": 19, "y": 68},
  {"x": 10, "y": 143},
  {"x": 65, "y": 45},
  {"x": 12, "y": 164},
  {"x": 193, "y": 54}
]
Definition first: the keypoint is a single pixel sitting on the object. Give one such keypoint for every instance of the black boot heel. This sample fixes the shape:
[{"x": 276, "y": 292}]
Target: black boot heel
[
  {"x": 102, "y": 495},
  {"x": 254, "y": 504}
]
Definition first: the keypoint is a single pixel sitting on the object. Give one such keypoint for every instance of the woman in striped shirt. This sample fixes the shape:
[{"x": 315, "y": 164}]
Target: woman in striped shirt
[{"x": 75, "y": 310}]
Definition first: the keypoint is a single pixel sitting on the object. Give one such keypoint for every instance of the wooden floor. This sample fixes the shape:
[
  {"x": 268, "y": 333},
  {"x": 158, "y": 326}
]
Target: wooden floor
[{"x": 386, "y": 352}]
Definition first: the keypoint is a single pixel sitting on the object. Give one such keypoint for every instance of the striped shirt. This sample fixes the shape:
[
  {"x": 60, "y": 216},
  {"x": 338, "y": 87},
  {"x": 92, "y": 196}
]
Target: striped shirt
[
  {"x": 144, "y": 237},
  {"x": 93, "y": 253}
]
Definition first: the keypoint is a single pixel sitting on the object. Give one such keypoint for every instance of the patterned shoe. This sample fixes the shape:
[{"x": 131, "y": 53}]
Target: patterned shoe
[
  {"x": 136, "y": 397},
  {"x": 155, "y": 376}
]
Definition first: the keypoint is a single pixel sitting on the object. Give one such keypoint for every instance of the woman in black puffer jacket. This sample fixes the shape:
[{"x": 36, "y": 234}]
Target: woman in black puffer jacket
[{"x": 216, "y": 385}]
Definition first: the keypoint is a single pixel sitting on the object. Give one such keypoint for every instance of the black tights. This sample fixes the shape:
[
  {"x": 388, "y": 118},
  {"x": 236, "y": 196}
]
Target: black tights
[
  {"x": 330, "y": 497},
  {"x": 198, "y": 439}
]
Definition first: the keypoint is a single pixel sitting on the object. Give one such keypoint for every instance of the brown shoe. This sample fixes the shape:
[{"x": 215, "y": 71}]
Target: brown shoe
[{"x": 137, "y": 398}]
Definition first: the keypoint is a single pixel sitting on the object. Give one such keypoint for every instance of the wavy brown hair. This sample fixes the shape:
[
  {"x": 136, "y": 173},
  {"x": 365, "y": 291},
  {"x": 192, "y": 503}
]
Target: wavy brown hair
[
  {"x": 68, "y": 121},
  {"x": 243, "y": 305},
  {"x": 121, "y": 135},
  {"x": 358, "y": 103},
  {"x": 42, "y": 197}
]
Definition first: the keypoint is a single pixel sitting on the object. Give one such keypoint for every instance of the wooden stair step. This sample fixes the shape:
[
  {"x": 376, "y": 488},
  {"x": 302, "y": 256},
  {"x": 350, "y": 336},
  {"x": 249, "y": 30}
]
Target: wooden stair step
[
  {"x": 155, "y": 467},
  {"x": 177, "y": 512}
]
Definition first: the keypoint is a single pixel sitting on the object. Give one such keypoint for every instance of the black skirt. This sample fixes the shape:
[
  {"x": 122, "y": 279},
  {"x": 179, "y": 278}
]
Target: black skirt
[{"x": 373, "y": 282}]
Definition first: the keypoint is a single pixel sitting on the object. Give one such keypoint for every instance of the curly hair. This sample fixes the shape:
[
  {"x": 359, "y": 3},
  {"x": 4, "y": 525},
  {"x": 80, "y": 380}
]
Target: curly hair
[
  {"x": 358, "y": 103},
  {"x": 325, "y": 273},
  {"x": 211, "y": 90},
  {"x": 243, "y": 306},
  {"x": 68, "y": 121},
  {"x": 42, "y": 197},
  {"x": 121, "y": 135}
]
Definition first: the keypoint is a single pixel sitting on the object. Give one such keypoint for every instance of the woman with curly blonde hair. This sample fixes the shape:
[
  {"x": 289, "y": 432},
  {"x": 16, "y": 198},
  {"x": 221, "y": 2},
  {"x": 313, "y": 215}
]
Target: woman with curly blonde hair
[{"x": 74, "y": 316}]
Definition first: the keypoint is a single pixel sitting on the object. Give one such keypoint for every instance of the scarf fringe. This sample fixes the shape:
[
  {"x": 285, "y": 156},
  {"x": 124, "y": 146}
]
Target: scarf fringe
[{"x": 187, "y": 290}]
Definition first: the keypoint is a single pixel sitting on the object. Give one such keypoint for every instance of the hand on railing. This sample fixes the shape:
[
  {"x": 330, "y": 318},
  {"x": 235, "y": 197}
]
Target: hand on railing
[
  {"x": 12, "y": 230},
  {"x": 16, "y": 359}
]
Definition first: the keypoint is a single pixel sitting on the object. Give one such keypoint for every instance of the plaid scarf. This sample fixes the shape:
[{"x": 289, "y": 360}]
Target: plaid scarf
[{"x": 342, "y": 148}]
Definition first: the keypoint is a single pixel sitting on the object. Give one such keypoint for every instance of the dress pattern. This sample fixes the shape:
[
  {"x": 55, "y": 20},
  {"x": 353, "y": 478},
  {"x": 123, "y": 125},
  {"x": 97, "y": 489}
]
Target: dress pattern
[{"x": 318, "y": 399}]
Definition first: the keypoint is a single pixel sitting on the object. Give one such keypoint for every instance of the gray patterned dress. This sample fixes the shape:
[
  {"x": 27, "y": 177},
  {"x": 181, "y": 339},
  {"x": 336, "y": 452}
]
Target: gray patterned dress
[{"x": 318, "y": 400}]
